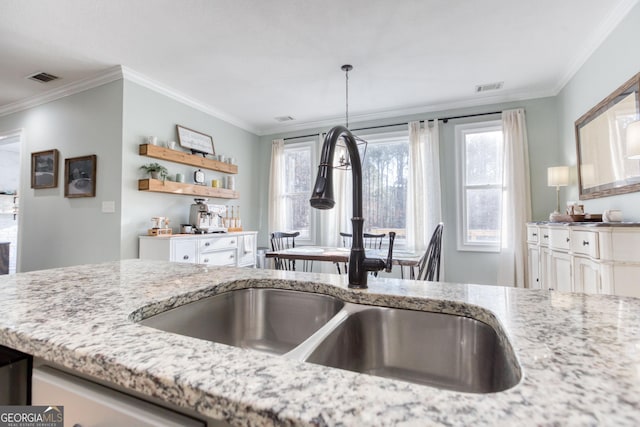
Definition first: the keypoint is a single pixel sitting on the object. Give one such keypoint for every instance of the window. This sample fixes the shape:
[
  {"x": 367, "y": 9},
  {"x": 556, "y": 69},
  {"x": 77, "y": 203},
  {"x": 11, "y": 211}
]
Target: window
[
  {"x": 384, "y": 194},
  {"x": 299, "y": 164},
  {"x": 480, "y": 188}
]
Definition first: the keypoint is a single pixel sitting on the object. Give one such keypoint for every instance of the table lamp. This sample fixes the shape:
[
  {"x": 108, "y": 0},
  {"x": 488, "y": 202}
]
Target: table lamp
[
  {"x": 557, "y": 176},
  {"x": 633, "y": 140}
]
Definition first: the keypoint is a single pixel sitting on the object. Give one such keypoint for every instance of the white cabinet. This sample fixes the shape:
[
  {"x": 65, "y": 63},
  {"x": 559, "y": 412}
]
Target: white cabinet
[
  {"x": 593, "y": 258},
  {"x": 89, "y": 404},
  {"x": 232, "y": 249}
]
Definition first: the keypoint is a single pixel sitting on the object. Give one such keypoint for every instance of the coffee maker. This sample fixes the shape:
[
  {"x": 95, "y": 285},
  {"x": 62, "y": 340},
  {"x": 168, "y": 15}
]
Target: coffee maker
[{"x": 206, "y": 218}]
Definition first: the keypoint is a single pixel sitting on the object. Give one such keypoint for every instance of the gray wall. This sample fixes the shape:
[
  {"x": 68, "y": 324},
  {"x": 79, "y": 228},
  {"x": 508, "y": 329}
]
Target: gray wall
[
  {"x": 544, "y": 151},
  {"x": 612, "y": 64},
  {"x": 55, "y": 231},
  {"x": 150, "y": 113}
]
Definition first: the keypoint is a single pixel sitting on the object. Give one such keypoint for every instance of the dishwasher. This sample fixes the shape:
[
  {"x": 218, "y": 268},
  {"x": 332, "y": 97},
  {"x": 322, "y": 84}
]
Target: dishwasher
[{"x": 15, "y": 377}]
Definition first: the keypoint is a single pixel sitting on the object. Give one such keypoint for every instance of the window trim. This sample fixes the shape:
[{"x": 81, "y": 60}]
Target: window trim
[
  {"x": 313, "y": 220},
  {"x": 461, "y": 131}
]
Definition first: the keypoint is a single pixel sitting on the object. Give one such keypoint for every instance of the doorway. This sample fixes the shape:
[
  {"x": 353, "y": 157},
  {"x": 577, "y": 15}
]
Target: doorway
[{"x": 9, "y": 200}]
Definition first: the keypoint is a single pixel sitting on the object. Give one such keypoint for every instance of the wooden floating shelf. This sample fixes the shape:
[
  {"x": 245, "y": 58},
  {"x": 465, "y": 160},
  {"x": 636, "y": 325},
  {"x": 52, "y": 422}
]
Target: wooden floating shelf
[
  {"x": 163, "y": 153},
  {"x": 158, "y": 186}
]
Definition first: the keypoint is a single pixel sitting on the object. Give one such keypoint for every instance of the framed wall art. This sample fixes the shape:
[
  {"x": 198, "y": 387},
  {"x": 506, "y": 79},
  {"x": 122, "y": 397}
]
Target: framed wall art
[
  {"x": 606, "y": 164},
  {"x": 44, "y": 169},
  {"x": 80, "y": 176},
  {"x": 197, "y": 142}
]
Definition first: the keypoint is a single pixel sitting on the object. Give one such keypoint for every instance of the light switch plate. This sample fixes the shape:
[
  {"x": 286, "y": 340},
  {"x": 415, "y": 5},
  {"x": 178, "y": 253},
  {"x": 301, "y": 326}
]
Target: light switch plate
[{"x": 109, "y": 207}]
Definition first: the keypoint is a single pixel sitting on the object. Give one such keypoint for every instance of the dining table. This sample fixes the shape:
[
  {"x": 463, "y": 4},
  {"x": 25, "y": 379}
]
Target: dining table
[{"x": 339, "y": 255}]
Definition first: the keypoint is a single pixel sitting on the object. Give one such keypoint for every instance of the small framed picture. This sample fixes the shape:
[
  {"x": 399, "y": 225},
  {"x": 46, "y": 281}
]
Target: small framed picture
[
  {"x": 80, "y": 176},
  {"x": 44, "y": 169},
  {"x": 197, "y": 142}
]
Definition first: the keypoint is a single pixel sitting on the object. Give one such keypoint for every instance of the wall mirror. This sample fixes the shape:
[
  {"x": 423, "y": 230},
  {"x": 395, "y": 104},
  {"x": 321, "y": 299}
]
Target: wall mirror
[{"x": 604, "y": 166}]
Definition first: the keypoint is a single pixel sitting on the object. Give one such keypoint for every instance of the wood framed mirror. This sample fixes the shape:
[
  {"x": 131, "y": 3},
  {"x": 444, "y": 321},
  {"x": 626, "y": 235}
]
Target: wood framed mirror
[{"x": 604, "y": 166}]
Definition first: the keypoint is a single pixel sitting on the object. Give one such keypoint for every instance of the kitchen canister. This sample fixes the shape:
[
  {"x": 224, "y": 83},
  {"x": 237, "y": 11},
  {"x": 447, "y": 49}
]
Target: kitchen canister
[{"x": 230, "y": 182}]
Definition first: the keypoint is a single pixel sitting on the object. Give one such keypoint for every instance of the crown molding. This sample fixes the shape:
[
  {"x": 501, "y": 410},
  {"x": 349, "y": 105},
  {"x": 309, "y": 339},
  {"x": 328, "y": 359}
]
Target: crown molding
[
  {"x": 142, "y": 80},
  {"x": 389, "y": 114},
  {"x": 107, "y": 76},
  {"x": 599, "y": 36}
]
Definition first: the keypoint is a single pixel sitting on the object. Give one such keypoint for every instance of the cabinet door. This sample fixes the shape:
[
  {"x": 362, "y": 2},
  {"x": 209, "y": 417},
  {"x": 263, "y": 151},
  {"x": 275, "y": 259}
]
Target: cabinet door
[
  {"x": 247, "y": 250},
  {"x": 586, "y": 276},
  {"x": 183, "y": 251},
  {"x": 545, "y": 268},
  {"x": 560, "y": 272},
  {"x": 89, "y": 404},
  {"x": 534, "y": 267}
]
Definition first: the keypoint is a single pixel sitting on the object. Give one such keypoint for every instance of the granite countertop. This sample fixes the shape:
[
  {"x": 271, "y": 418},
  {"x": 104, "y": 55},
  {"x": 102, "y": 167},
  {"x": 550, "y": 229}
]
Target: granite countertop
[{"x": 579, "y": 354}]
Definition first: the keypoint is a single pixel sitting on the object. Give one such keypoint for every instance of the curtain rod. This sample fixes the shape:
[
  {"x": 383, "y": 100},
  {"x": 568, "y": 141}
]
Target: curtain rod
[{"x": 444, "y": 120}]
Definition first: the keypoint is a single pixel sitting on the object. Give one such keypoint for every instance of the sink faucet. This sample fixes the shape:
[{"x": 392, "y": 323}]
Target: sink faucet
[{"x": 322, "y": 198}]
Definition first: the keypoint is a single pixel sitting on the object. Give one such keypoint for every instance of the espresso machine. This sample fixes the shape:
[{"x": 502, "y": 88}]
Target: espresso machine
[{"x": 207, "y": 218}]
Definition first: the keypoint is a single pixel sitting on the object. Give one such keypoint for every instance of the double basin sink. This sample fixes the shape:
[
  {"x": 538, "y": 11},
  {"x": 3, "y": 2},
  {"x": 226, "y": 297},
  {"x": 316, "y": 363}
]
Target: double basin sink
[{"x": 440, "y": 350}]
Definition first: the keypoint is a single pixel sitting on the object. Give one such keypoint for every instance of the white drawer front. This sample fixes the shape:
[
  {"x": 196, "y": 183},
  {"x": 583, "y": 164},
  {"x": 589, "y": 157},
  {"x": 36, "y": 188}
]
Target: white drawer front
[
  {"x": 559, "y": 238},
  {"x": 184, "y": 251},
  {"x": 532, "y": 234},
  {"x": 216, "y": 243},
  {"x": 543, "y": 236},
  {"x": 585, "y": 243},
  {"x": 225, "y": 257}
]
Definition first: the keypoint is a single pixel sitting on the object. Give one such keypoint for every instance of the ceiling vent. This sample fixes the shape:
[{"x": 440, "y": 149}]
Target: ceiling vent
[
  {"x": 43, "y": 77},
  {"x": 489, "y": 86},
  {"x": 284, "y": 119}
]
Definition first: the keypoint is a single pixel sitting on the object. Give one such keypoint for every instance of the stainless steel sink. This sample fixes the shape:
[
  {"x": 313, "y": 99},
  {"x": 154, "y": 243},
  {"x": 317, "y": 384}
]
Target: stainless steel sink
[
  {"x": 440, "y": 350},
  {"x": 269, "y": 320}
]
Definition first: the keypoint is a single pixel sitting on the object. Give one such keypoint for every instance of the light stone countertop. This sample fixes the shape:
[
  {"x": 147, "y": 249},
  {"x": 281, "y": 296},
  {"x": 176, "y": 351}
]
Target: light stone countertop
[{"x": 579, "y": 354}]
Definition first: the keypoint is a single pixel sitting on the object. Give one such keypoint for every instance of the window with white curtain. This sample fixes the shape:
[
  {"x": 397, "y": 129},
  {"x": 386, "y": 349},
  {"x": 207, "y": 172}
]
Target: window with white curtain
[
  {"x": 299, "y": 164},
  {"x": 384, "y": 194},
  {"x": 479, "y": 152}
]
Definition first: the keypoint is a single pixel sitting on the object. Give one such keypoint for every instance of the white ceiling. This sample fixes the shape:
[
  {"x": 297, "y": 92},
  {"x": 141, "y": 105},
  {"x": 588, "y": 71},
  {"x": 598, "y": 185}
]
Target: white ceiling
[{"x": 254, "y": 60}]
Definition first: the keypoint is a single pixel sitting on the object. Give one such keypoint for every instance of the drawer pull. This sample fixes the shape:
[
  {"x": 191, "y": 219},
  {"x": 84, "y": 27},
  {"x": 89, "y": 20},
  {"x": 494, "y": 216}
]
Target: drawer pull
[
  {"x": 585, "y": 243},
  {"x": 233, "y": 242},
  {"x": 206, "y": 260},
  {"x": 207, "y": 244},
  {"x": 231, "y": 256},
  {"x": 546, "y": 236},
  {"x": 568, "y": 239},
  {"x": 185, "y": 257},
  {"x": 534, "y": 234}
]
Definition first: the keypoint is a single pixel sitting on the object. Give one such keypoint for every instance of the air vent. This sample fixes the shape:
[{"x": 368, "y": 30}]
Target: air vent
[
  {"x": 489, "y": 86},
  {"x": 43, "y": 77},
  {"x": 284, "y": 119}
]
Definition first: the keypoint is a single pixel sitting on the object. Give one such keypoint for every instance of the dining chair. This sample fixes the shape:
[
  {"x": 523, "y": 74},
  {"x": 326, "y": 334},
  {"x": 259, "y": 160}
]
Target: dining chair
[
  {"x": 281, "y": 240},
  {"x": 429, "y": 264},
  {"x": 370, "y": 240}
]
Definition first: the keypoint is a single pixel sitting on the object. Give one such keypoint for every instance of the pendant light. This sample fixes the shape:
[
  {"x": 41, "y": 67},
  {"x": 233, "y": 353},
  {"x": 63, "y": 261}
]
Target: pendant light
[{"x": 344, "y": 162}]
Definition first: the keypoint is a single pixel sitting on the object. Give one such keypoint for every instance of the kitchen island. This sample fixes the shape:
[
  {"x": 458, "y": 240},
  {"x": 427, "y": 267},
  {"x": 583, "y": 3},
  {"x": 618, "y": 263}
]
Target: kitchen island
[{"x": 579, "y": 354}]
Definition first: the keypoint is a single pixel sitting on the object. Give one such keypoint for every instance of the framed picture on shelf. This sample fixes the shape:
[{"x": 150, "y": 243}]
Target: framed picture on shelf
[
  {"x": 44, "y": 169},
  {"x": 197, "y": 142},
  {"x": 80, "y": 176}
]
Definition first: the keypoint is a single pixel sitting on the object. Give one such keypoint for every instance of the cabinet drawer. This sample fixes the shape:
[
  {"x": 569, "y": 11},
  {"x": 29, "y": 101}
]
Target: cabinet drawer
[
  {"x": 585, "y": 243},
  {"x": 216, "y": 243},
  {"x": 224, "y": 257},
  {"x": 532, "y": 234},
  {"x": 543, "y": 236},
  {"x": 559, "y": 238},
  {"x": 184, "y": 251}
]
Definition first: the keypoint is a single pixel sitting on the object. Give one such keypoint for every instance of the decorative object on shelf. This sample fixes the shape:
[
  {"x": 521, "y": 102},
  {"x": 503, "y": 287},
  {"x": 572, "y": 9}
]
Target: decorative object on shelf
[
  {"x": 633, "y": 140},
  {"x": 343, "y": 162},
  {"x": 80, "y": 176},
  {"x": 198, "y": 177},
  {"x": 612, "y": 215},
  {"x": 557, "y": 176},
  {"x": 197, "y": 142},
  {"x": 153, "y": 140},
  {"x": 179, "y": 177},
  {"x": 159, "y": 226},
  {"x": 607, "y": 144},
  {"x": 44, "y": 169},
  {"x": 155, "y": 170},
  {"x": 171, "y": 145}
]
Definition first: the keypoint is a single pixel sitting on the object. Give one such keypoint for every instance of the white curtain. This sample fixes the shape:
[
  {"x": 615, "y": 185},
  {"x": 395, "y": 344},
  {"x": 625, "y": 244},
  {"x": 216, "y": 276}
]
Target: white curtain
[
  {"x": 277, "y": 205},
  {"x": 512, "y": 270},
  {"x": 424, "y": 206},
  {"x": 338, "y": 219}
]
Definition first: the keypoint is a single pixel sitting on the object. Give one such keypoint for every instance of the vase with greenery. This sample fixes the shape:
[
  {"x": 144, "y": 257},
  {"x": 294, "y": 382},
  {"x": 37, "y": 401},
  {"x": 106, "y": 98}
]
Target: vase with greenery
[{"x": 156, "y": 170}]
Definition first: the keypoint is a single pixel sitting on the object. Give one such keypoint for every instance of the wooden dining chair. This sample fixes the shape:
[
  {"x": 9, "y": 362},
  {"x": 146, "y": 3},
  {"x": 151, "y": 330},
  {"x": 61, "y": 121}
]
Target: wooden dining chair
[
  {"x": 280, "y": 241},
  {"x": 371, "y": 241},
  {"x": 429, "y": 264}
]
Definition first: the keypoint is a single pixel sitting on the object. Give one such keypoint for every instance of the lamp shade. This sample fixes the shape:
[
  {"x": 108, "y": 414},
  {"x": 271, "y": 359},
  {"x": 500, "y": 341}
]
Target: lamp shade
[
  {"x": 633, "y": 140},
  {"x": 558, "y": 176}
]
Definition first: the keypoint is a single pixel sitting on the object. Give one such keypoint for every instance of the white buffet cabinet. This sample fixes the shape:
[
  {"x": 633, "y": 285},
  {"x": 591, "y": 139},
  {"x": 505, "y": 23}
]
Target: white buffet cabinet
[
  {"x": 231, "y": 249},
  {"x": 594, "y": 258}
]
